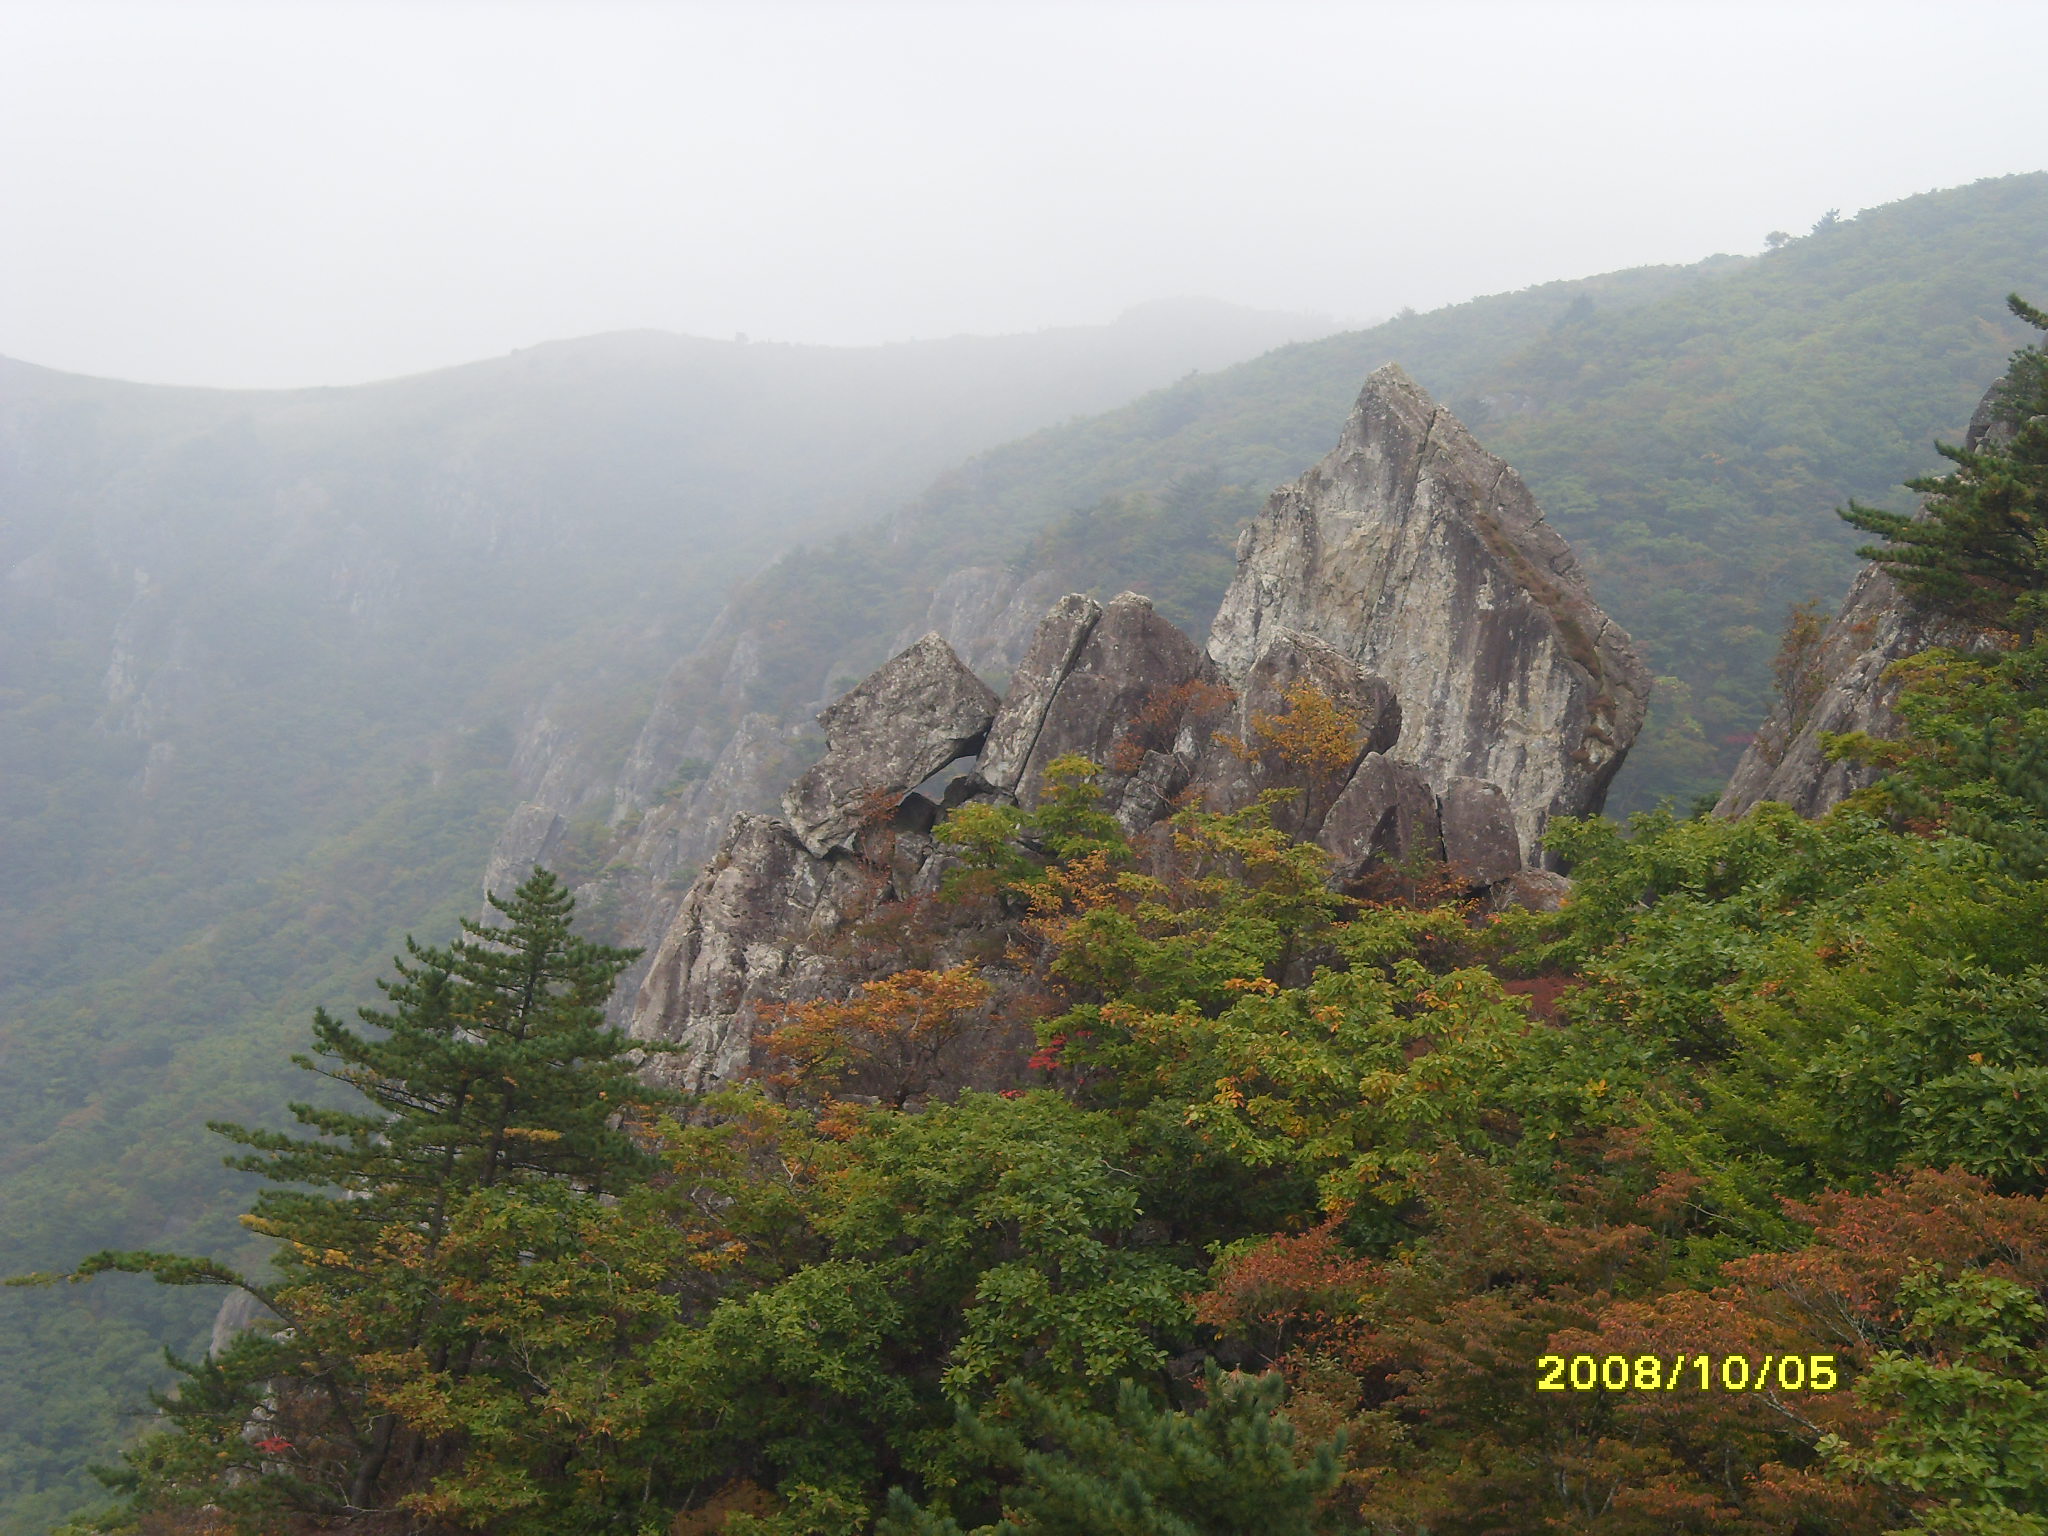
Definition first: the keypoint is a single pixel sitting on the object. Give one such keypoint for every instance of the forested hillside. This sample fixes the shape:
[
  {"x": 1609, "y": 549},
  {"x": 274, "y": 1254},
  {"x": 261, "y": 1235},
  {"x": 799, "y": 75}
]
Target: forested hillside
[{"x": 266, "y": 663}]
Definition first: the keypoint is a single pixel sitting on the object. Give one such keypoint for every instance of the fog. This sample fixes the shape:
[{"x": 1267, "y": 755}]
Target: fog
[{"x": 300, "y": 193}]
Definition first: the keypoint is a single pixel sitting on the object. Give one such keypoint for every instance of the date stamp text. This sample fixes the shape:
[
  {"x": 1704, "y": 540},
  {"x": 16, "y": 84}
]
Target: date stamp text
[{"x": 1687, "y": 1373}]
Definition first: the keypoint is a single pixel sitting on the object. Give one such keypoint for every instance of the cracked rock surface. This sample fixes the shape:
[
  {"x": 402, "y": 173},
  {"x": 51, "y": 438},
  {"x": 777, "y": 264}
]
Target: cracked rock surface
[{"x": 1426, "y": 560}]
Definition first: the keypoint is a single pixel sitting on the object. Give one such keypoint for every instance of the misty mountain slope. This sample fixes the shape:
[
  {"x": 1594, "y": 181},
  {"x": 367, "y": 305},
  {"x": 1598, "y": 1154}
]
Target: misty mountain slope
[
  {"x": 1689, "y": 429},
  {"x": 258, "y": 590},
  {"x": 266, "y": 662}
]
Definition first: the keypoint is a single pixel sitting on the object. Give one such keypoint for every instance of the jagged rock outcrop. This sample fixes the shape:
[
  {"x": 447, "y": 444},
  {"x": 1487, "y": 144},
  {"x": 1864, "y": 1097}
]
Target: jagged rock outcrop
[
  {"x": 1838, "y": 688},
  {"x": 1407, "y": 648},
  {"x": 1427, "y": 561},
  {"x": 919, "y": 712},
  {"x": 1088, "y": 676},
  {"x": 1839, "y": 685},
  {"x": 755, "y": 927}
]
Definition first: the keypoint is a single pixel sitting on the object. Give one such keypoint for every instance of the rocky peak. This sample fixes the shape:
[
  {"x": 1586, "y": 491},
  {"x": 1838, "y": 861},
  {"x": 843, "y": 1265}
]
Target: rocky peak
[
  {"x": 1427, "y": 561},
  {"x": 1407, "y": 649}
]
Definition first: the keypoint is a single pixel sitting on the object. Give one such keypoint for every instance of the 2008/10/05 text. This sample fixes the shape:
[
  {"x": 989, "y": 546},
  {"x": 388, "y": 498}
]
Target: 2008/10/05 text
[{"x": 1697, "y": 1373}]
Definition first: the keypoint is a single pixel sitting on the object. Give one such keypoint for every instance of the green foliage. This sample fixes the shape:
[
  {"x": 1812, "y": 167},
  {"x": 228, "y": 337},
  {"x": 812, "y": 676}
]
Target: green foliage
[
  {"x": 1391, "y": 1157},
  {"x": 1861, "y": 999},
  {"x": 1393, "y": 1154},
  {"x": 958, "y": 1249},
  {"x": 1068, "y": 819},
  {"x": 118, "y": 1075},
  {"x": 497, "y": 1101},
  {"x": 1978, "y": 763},
  {"x": 1968, "y": 1407},
  {"x": 1227, "y": 1467},
  {"x": 1979, "y": 548},
  {"x": 265, "y": 667}
]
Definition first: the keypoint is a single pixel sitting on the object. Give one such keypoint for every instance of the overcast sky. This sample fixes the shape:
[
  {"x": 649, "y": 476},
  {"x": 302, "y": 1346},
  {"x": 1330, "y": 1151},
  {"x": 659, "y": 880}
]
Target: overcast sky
[{"x": 297, "y": 192}]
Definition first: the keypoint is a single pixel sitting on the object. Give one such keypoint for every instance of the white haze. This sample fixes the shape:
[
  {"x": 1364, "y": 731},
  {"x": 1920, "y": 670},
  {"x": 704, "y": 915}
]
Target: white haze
[{"x": 294, "y": 193}]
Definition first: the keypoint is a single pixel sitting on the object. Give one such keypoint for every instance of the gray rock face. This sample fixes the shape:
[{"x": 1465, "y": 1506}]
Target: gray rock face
[
  {"x": 1840, "y": 687},
  {"x": 1426, "y": 560},
  {"x": 1054, "y": 648},
  {"x": 1387, "y": 813},
  {"x": 918, "y": 713},
  {"x": 752, "y": 929},
  {"x": 529, "y": 837},
  {"x": 1086, "y": 680},
  {"x": 239, "y": 1313},
  {"x": 1256, "y": 757},
  {"x": 1533, "y": 890}
]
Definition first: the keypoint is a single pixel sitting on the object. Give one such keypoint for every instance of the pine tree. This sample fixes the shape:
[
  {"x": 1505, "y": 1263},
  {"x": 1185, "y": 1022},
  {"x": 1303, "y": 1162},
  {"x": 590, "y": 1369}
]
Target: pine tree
[
  {"x": 492, "y": 1071},
  {"x": 1226, "y": 1468},
  {"x": 1979, "y": 550}
]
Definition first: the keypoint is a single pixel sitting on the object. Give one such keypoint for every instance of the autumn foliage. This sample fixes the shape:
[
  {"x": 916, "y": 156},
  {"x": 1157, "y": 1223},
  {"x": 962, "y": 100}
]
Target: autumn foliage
[{"x": 890, "y": 1040}]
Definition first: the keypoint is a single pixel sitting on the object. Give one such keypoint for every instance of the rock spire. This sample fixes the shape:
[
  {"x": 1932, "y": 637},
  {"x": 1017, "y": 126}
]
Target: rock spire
[{"x": 1426, "y": 560}]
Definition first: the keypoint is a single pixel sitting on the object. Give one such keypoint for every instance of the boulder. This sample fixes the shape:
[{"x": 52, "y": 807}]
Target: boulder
[
  {"x": 1480, "y": 841},
  {"x": 1254, "y": 752},
  {"x": 1425, "y": 559},
  {"x": 1533, "y": 890},
  {"x": 910, "y": 718},
  {"x": 1386, "y": 814}
]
